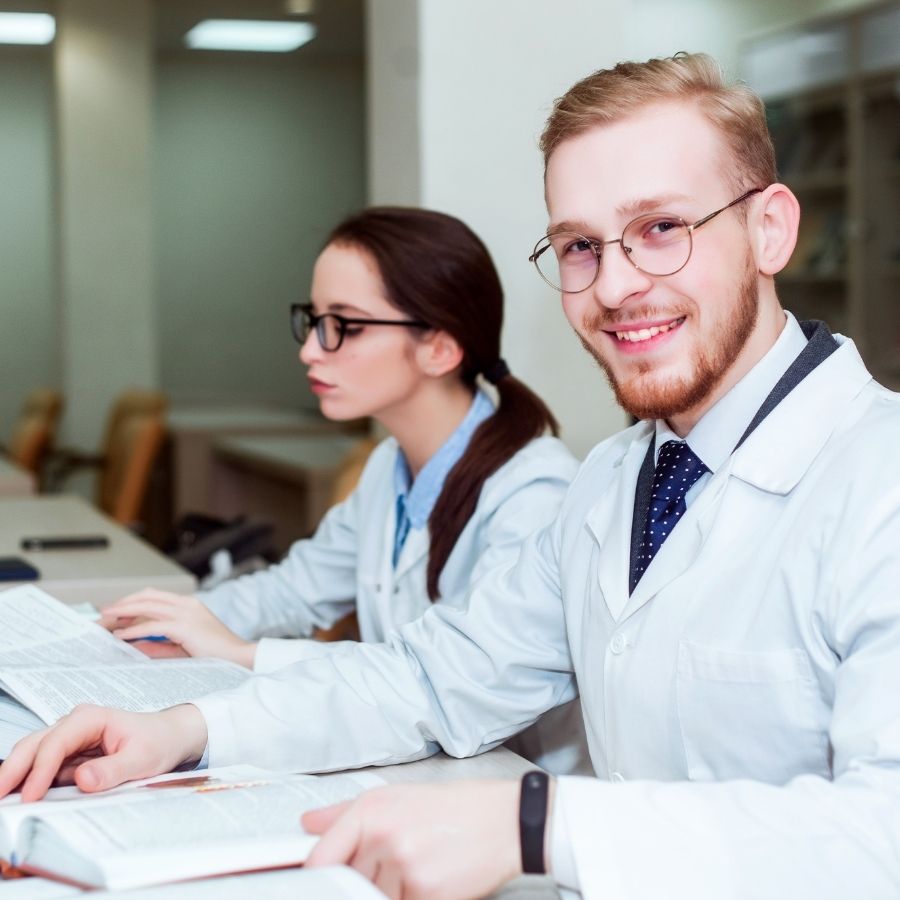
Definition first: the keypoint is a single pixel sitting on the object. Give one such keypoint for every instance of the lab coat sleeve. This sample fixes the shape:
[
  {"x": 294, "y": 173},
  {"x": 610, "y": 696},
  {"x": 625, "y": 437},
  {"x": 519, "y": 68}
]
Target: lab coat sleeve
[
  {"x": 462, "y": 679},
  {"x": 810, "y": 839},
  {"x": 313, "y": 586}
]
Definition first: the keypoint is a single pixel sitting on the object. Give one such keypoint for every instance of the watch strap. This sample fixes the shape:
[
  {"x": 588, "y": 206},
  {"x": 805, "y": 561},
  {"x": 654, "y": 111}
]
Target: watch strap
[{"x": 533, "y": 820}]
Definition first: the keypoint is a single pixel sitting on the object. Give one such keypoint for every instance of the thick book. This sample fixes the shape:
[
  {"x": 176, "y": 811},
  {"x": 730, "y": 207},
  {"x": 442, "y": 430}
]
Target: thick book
[
  {"x": 53, "y": 658},
  {"x": 174, "y": 828}
]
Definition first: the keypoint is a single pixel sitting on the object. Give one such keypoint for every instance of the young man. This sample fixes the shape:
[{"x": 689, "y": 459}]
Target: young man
[{"x": 721, "y": 579}]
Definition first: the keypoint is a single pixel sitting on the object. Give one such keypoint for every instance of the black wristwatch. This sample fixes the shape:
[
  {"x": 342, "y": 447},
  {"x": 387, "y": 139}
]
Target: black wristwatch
[{"x": 533, "y": 820}]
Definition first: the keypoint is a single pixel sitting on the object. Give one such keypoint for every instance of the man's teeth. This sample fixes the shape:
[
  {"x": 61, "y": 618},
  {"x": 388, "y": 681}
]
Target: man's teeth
[{"x": 644, "y": 334}]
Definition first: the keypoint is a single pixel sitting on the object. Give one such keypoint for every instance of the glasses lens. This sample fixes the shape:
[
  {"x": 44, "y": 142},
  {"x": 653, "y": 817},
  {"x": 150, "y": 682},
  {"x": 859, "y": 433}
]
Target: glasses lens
[
  {"x": 657, "y": 244},
  {"x": 299, "y": 323},
  {"x": 330, "y": 332},
  {"x": 567, "y": 261}
]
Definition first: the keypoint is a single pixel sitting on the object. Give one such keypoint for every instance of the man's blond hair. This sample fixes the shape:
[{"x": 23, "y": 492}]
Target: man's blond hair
[{"x": 612, "y": 94}]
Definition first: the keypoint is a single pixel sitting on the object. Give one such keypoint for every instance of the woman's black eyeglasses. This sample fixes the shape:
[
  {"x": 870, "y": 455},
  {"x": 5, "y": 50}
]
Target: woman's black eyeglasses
[{"x": 331, "y": 328}]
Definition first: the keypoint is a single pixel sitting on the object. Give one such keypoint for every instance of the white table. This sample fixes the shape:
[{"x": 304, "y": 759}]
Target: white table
[
  {"x": 97, "y": 576},
  {"x": 286, "y": 479},
  {"x": 193, "y": 430},
  {"x": 14, "y": 480}
]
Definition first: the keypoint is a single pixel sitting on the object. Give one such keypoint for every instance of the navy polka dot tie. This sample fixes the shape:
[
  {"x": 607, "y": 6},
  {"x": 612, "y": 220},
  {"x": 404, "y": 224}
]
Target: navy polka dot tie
[{"x": 677, "y": 470}]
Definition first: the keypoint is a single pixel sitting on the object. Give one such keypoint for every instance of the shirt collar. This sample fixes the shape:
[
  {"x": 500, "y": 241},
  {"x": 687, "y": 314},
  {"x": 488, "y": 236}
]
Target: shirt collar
[
  {"x": 715, "y": 436},
  {"x": 419, "y": 496}
]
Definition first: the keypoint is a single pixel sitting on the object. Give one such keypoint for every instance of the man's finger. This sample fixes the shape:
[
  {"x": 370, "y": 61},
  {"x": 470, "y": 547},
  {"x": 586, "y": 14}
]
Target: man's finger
[
  {"x": 317, "y": 821},
  {"x": 73, "y": 734},
  {"x": 18, "y": 764},
  {"x": 339, "y": 843}
]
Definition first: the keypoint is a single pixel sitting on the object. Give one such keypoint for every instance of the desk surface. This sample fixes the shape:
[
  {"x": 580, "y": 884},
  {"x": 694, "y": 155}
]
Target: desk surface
[
  {"x": 236, "y": 418},
  {"x": 292, "y": 457},
  {"x": 14, "y": 480},
  {"x": 79, "y": 576}
]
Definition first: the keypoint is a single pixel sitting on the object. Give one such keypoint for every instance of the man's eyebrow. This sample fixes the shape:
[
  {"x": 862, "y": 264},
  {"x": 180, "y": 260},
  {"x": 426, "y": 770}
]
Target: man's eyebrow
[
  {"x": 657, "y": 203},
  {"x": 627, "y": 211}
]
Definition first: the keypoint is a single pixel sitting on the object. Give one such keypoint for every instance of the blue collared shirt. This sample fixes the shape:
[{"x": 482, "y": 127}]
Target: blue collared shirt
[{"x": 416, "y": 499}]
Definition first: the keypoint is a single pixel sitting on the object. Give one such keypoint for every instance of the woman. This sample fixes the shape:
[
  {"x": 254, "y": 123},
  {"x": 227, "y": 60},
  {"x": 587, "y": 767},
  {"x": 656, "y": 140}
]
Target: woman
[{"x": 405, "y": 316}]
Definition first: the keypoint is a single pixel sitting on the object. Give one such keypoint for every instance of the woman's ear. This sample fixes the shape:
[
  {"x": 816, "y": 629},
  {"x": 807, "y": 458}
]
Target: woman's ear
[
  {"x": 775, "y": 223},
  {"x": 439, "y": 353}
]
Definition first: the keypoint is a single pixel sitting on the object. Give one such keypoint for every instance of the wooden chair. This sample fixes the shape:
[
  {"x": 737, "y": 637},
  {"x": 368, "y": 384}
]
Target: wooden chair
[
  {"x": 133, "y": 438},
  {"x": 34, "y": 432}
]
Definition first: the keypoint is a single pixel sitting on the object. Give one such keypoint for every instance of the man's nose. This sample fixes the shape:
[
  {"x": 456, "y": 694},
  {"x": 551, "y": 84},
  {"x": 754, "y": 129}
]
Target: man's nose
[{"x": 618, "y": 279}]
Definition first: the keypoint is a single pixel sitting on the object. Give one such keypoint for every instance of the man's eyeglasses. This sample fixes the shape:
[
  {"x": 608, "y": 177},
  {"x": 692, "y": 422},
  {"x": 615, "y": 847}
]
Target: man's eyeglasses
[
  {"x": 331, "y": 328},
  {"x": 655, "y": 243}
]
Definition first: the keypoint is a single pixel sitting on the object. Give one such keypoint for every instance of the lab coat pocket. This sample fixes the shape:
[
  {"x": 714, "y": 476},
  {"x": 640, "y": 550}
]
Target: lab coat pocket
[{"x": 749, "y": 714}]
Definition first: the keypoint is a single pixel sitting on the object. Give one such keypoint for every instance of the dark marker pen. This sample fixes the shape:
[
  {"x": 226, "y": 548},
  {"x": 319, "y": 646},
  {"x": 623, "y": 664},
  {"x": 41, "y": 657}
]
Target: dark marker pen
[{"x": 66, "y": 542}]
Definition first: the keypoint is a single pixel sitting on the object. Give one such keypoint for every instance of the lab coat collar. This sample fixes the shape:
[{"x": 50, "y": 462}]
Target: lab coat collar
[
  {"x": 779, "y": 452},
  {"x": 774, "y": 458}
]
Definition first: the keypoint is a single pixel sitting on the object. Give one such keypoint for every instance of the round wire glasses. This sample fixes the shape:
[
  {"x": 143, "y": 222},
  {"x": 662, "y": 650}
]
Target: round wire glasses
[
  {"x": 332, "y": 328},
  {"x": 656, "y": 243}
]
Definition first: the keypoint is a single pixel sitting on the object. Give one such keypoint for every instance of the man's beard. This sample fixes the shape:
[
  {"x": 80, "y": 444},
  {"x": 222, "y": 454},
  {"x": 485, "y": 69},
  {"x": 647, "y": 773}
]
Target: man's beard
[{"x": 647, "y": 398}]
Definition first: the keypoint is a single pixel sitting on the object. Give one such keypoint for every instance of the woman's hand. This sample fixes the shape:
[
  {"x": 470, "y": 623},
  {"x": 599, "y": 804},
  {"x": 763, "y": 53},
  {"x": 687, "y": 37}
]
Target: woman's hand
[
  {"x": 183, "y": 620},
  {"x": 99, "y": 748}
]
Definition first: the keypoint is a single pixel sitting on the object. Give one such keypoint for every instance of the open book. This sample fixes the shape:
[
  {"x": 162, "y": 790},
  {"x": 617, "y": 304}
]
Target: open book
[
  {"x": 236, "y": 819},
  {"x": 52, "y": 659}
]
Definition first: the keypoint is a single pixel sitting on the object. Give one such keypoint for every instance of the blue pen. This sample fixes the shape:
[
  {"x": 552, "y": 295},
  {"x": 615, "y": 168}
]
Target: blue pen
[{"x": 148, "y": 637}]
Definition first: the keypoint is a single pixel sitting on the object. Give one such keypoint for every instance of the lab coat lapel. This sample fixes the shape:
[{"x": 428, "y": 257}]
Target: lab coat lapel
[
  {"x": 609, "y": 521},
  {"x": 414, "y": 548},
  {"x": 774, "y": 458},
  {"x": 682, "y": 546}
]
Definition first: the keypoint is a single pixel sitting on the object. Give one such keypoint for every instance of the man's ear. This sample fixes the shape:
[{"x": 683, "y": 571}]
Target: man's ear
[
  {"x": 438, "y": 353},
  {"x": 774, "y": 224}
]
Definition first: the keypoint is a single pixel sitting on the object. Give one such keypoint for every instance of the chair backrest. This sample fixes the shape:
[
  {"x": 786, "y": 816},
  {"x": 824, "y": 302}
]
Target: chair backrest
[
  {"x": 35, "y": 429},
  {"x": 135, "y": 434},
  {"x": 350, "y": 468}
]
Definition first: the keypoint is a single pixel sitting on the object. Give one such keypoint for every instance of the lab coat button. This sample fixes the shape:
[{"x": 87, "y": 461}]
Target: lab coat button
[
  {"x": 377, "y": 588},
  {"x": 618, "y": 643},
  {"x": 617, "y": 777}
]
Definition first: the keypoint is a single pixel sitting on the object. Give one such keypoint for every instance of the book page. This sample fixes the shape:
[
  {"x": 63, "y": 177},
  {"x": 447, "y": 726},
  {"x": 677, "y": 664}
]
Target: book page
[
  {"x": 62, "y": 799},
  {"x": 140, "y": 687},
  {"x": 210, "y": 831},
  {"x": 328, "y": 883},
  {"x": 16, "y": 722},
  {"x": 36, "y": 629},
  {"x": 262, "y": 808}
]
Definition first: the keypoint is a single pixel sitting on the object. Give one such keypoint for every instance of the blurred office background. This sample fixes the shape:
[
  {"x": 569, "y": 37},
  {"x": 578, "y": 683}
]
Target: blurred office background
[{"x": 162, "y": 206}]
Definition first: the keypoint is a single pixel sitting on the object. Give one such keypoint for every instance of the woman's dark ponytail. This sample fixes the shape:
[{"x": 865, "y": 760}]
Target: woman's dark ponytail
[{"x": 436, "y": 269}]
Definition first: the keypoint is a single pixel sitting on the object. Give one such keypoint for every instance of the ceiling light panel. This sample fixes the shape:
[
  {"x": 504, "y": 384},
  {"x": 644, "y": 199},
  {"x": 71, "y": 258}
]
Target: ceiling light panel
[
  {"x": 26, "y": 28},
  {"x": 246, "y": 34}
]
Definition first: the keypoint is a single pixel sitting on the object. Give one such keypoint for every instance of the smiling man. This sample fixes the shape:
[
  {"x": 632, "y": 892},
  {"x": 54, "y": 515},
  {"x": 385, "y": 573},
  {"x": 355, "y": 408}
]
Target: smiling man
[{"x": 721, "y": 580}]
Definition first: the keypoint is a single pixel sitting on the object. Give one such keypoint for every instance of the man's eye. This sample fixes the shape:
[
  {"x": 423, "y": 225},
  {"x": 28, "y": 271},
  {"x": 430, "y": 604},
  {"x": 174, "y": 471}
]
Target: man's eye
[
  {"x": 574, "y": 248},
  {"x": 661, "y": 227}
]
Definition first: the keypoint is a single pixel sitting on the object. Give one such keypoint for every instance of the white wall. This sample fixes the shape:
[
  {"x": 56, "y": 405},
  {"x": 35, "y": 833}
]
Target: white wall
[
  {"x": 29, "y": 328},
  {"x": 488, "y": 73},
  {"x": 256, "y": 160},
  {"x": 105, "y": 274}
]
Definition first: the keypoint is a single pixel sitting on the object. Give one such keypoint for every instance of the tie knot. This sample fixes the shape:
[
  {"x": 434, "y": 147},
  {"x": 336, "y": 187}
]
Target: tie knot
[{"x": 677, "y": 470}]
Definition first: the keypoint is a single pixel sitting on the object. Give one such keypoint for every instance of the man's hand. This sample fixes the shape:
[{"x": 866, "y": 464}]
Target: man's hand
[
  {"x": 185, "y": 621},
  {"x": 435, "y": 841},
  {"x": 99, "y": 748}
]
